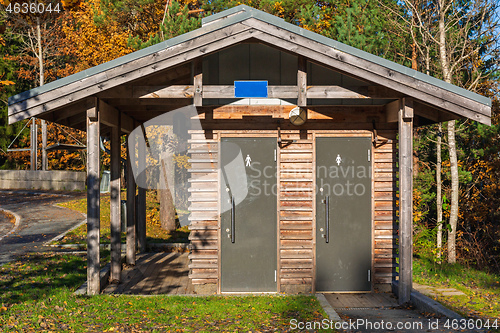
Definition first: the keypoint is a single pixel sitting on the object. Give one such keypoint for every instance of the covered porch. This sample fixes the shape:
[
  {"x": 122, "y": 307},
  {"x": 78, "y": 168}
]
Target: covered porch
[{"x": 155, "y": 273}]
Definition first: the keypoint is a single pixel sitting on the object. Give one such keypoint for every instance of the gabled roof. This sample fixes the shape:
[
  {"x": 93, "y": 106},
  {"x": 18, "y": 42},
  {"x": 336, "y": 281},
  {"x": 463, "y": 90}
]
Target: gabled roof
[{"x": 234, "y": 26}]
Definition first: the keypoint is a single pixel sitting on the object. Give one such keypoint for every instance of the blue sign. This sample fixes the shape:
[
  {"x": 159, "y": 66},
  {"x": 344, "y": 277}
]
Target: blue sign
[{"x": 248, "y": 89}]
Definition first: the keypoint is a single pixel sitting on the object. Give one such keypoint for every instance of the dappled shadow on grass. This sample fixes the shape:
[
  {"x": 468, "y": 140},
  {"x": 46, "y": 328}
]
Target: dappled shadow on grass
[
  {"x": 49, "y": 305},
  {"x": 36, "y": 276},
  {"x": 227, "y": 314}
]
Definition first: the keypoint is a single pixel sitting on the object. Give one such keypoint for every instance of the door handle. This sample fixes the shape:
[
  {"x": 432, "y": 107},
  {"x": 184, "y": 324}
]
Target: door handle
[
  {"x": 327, "y": 219},
  {"x": 232, "y": 219}
]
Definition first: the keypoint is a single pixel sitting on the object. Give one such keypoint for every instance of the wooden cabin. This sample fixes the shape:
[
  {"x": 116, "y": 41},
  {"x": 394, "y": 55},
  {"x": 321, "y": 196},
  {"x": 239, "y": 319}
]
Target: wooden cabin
[{"x": 324, "y": 145}]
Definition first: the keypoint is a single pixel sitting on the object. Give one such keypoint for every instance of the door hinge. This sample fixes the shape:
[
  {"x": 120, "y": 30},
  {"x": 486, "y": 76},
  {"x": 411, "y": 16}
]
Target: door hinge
[
  {"x": 369, "y": 155},
  {"x": 275, "y": 155},
  {"x": 275, "y": 275},
  {"x": 369, "y": 276}
]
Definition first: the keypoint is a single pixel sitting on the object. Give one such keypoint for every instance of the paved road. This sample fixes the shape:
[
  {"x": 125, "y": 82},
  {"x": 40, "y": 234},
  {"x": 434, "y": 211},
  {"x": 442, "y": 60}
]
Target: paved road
[{"x": 40, "y": 220}]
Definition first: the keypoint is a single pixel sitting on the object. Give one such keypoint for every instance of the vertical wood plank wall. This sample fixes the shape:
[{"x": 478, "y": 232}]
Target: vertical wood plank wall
[{"x": 296, "y": 211}]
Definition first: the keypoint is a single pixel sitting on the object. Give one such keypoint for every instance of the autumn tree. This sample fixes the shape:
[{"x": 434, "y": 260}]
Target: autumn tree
[
  {"x": 93, "y": 42},
  {"x": 464, "y": 35},
  {"x": 176, "y": 21},
  {"x": 43, "y": 55},
  {"x": 364, "y": 24},
  {"x": 9, "y": 84}
]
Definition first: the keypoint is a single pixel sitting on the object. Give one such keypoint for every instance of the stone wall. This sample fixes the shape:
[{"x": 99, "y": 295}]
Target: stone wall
[{"x": 43, "y": 180}]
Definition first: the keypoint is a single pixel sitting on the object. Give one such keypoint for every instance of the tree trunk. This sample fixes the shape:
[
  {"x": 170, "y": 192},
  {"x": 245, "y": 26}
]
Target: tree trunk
[
  {"x": 167, "y": 207},
  {"x": 445, "y": 65},
  {"x": 452, "y": 257},
  {"x": 40, "y": 52},
  {"x": 414, "y": 55},
  {"x": 167, "y": 210},
  {"x": 165, "y": 14},
  {"x": 41, "y": 75},
  {"x": 439, "y": 199}
]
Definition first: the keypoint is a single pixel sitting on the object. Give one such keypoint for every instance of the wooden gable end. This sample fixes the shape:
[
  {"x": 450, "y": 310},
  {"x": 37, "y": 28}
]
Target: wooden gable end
[{"x": 431, "y": 102}]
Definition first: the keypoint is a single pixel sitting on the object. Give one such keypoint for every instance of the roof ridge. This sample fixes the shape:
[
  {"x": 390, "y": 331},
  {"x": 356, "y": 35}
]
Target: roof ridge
[{"x": 238, "y": 14}]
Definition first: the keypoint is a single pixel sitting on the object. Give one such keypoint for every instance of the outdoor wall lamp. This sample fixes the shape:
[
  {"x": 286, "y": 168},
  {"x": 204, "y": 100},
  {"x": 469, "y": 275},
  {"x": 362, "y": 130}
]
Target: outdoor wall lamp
[{"x": 298, "y": 116}]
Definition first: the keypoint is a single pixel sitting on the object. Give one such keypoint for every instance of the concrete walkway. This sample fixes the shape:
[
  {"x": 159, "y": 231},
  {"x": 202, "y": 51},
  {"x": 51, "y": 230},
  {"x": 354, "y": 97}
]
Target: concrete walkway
[
  {"x": 379, "y": 312},
  {"x": 434, "y": 292},
  {"x": 40, "y": 220},
  {"x": 7, "y": 224}
]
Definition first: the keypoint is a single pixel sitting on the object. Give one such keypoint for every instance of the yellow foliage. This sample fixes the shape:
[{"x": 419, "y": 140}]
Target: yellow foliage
[
  {"x": 417, "y": 198},
  {"x": 279, "y": 7},
  {"x": 94, "y": 44},
  {"x": 182, "y": 161}
]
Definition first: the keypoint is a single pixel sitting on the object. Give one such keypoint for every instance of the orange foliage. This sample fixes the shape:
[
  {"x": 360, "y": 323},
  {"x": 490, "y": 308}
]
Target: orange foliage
[
  {"x": 94, "y": 44},
  {"x": 57, "y": 160}
]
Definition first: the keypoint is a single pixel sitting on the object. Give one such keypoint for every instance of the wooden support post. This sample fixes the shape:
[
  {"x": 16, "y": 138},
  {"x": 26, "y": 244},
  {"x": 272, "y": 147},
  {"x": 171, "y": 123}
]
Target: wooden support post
[
  {"x": 115, "y": 202},
  {"x": 198, "y": 82},
  {"x": 141, "y": 205},
  {"x": 131, "y": 189},
  {"x": 93, "y": 197},
  {"x": 45, "y": 163},
  {"x": 405, "y": 199},
  {"x": 33, "y": 144},
  {"x": 302, "y": 82}
]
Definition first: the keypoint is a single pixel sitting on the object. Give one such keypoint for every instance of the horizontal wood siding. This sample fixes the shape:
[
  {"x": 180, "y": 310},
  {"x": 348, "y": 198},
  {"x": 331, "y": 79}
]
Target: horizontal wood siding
[
  {"x": 203, "y": 207},
  {"x": 296, "y": 184},
  {"x": 385, "y": 207},
  {"x": 296, "y": 179}
]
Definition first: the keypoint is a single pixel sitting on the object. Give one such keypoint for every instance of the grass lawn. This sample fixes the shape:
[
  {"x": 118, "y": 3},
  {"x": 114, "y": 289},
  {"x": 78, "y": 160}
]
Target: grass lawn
[
  {"x": 154, "y": 232},
  {"x": 36, "y": 294},
  {"x": 482, "y": 290}
]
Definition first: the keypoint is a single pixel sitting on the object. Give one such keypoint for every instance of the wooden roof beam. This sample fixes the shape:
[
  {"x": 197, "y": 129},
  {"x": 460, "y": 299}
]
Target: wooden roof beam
[
  {"x": 420, "y": 109},
  {"x": 227, "y": 91},
  {"x": 112, "y": 117},
  {"x": 126, "y": 103}
]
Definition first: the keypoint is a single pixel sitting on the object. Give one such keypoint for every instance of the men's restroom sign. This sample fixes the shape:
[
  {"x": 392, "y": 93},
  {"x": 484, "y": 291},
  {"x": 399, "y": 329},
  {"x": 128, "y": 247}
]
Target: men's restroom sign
[{"x": 248, "y": 161}]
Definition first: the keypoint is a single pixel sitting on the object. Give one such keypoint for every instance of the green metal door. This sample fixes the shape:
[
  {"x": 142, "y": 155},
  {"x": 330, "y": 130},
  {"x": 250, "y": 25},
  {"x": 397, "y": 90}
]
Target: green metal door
[
  {"x": 248, "y": 215},
  {"x": 343, "y": 214}
]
